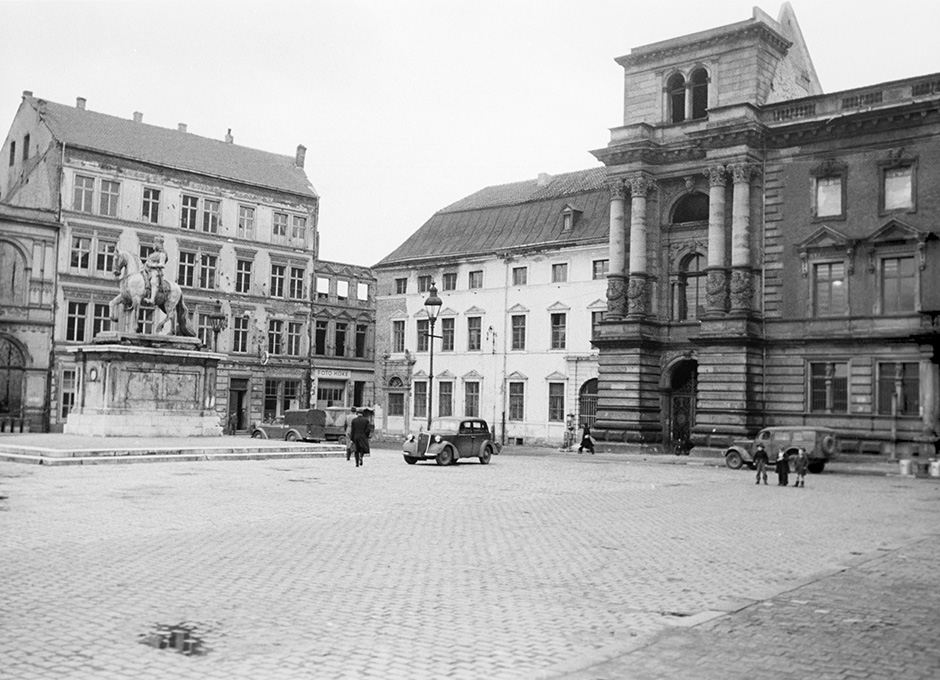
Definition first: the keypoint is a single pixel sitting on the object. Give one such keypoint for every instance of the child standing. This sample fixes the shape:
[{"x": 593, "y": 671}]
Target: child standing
[
  {"x": 801, "y": 463},
  {"x": 761, "y": 460},
  {"x": 783, "y": 470}
]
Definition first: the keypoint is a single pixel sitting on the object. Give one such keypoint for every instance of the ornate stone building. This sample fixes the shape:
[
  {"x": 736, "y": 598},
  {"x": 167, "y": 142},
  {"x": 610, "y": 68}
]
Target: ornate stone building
[
  {"x": 773, "y": 250},
  {"x": 240, "y": 232}
]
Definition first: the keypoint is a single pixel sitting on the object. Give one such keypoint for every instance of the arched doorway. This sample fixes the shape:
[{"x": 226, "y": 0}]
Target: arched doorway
[
  {"x": 12, "y": 372},
  {"x": 587, "y": 403},
  {"x": 681, "y": 396}
]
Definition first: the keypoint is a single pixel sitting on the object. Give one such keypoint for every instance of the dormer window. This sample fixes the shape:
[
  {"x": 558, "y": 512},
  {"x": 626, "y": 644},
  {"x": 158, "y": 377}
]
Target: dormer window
[
  {"x": 675, "y": 87},
  {"x": 569, "y": 216},
  {"x": 699, "y": 86}
]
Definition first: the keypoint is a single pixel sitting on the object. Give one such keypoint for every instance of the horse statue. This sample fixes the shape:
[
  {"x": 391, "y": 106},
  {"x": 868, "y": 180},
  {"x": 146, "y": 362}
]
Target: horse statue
[{"x": 134, "y": 283}]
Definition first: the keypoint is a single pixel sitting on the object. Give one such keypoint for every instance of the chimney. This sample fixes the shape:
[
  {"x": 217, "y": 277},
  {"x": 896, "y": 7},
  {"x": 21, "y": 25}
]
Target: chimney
[
  {"x": 27, "y": 93},
  {"x": 301, "y": 156},
  {"x": 138, "y": 117},
  {"x": 181, "y": 127},
  {"x": 228, "y": 137},
  {"x": 544, "y": 179},
  {"x": 80, "y": 103}
]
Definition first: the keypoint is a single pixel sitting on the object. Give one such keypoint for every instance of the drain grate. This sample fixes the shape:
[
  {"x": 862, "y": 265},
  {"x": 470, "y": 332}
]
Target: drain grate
[{"x": 184, "y": 638}]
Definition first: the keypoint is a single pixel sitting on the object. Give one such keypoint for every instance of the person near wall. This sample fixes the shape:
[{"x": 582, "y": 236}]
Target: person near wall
[
  {"x": 761, "y": 460},
  {"x": 587, "y": 441},
  {"x": 783, "y": 470},
  {"x": 360, "y": 430},
  {"x": 351, "y": 416}
]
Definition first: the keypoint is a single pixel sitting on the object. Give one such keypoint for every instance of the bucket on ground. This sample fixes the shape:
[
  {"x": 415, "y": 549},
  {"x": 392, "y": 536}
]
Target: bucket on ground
[
  {"x": 906, "y": 467},
  {"x": 935, "y": 468}
]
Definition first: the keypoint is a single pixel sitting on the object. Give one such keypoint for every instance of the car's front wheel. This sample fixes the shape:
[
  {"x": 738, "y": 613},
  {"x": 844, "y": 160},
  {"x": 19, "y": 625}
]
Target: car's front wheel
[
  {"x": 410, "y": 460},
  {"x": 257, "y": 434},
  {"x": 486, "y": 455},
  {"x": 733, "y": 460},
  {"x": 291, "y": 436},
  {"x": 817, "y": 466},
  {"x": 445, "y": 457}
]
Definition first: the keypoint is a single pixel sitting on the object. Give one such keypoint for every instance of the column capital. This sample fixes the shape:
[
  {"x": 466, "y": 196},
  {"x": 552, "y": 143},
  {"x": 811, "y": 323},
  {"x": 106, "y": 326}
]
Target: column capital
[
  {"x": 617, "y": 189},
  {"x": 743, "y": 172},
  {"x": 641, "y": 185},
  {"x": 717, "y": 176}
]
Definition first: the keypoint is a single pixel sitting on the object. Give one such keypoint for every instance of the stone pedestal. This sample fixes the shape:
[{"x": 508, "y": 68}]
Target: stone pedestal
[{"x": 145, "y": 386}]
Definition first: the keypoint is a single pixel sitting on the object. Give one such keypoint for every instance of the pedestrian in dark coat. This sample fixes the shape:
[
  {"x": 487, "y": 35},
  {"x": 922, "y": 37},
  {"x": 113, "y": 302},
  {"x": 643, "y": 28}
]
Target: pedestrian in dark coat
[
  {"x": 783, "y": 470},
  {"x": 761, "y": 460},
  {"x": 800, "y": 466},
  {"x": 587, "y": 441},
  {"x": 360, "y": 430}
]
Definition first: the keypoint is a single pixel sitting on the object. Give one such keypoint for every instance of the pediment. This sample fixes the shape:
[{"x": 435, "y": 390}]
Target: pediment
[
  {"x": 825, "y": 237},
  {"x": 446, "y": 375},
  {"x": 475, "y": 311},
  {"x": 518, "y": 309},
  {"x": 517, "y": 376},
  {"x": 473, "y": 375},
  {"x": 556, "y": 377},
  {"x": 420, "y": 375},
  {"x": 895, "y": 230},
  {"x": 558, "y": 307},
  {"x": 598, "y": 305},
  {"x": 449, "y": 311}
]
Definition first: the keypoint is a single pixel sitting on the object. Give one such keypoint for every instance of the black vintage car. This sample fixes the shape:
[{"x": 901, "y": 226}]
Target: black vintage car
[
  {"x": 450, "y": 439},
  {"x": 302, "y": 424}
]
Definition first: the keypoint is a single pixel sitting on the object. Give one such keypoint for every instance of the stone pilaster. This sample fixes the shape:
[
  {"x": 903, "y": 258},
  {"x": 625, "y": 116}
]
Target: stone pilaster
[
  {"x": 616, "y": 271},
  {"x": 742, "y": 276},
  {"x": 638, "y": 285},
  {"x": 716, "y": 285}
]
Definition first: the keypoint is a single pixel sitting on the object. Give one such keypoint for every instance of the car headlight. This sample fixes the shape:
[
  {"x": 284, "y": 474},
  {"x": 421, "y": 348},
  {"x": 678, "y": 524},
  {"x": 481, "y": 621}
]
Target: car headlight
[
  {"x": 437, "y": 439},
  {"x": 410, "y": 438}
]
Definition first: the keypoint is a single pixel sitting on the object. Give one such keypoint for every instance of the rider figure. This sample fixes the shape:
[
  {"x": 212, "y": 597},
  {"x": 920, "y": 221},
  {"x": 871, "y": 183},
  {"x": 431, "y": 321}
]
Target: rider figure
[{"x": 156, "y": 261}]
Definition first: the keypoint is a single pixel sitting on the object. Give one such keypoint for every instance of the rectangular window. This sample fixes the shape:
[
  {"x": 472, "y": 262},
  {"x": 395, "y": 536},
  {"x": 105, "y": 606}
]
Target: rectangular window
[
  {"x": 447, "y": 334},
  {"x": 275, "y": 328},
  {"x": 294, "y": 330},
  {"x": 69, "y": 386},
  {"x": 319, "y": 337},
  {"x": 898, "y": 189},
  {"x": 189, "y": 212},
  {"x": 361, "y": 338},
  {"x": 474, "y": 333},
  {"x": 207, "y": 265},
  {"x": 242, "y": 276},
  {"x": 144, "y": 251},
  {"x": 475, "y": 279},
  {"x": 270, "y": 400},
  {"x": 424, "y": 284},
  {"x": 278, "y": 272},
  {"x": 828, "y": 196},
  {"x": 340, "y": 338},
  {"x": 423, "y": 339},
  {"x": 401, "y": 286},
  {"x": 279, "y": 228},
  {"x": 80, "y": 253},
  {"x": 101, "y": 319},
  {"x": 12, "y": 153},
  {"x": 398, "y": 337},
  {"x": 211, "y": 211},
  {"x": 240, "y": 334},
  {"x": 445, "y": 401},
  {"x": 296, "y": 283},
  {"x": 246, "y": 222},
  {"x": 450, "y": 281},
  {"x": 899, "y": 383},
  {"x": 108, "y": 200},
  {"x": 897, "y": 285},
  {"x": 362, "y": 291},
  {"x": 342, "y": 290},
  {"x": 559, "y": 273},
  {"x": 830, "y": 295},
  {"x": 599, "y": 269},
  {"x": 596, "y": 318},
  {"x": 323, "y": 288},
  {"x": 471, "y": 400},
  {"x": 104, "y": 256},
  {"x": 559, "y": 331},
  {"x": 298, "y": 228},
  {"x": 518, "y": 331},
  {"x": 145, "y": 320},
  {"x": 516, "y": 401},
  {"x": 396, "y": 404},
  {"x": 25, "y": 147},
  {"x": 83, "y": 194},
  {"x": 204, "y": 329},
  {"x": 186, "y": 272},
  {"x": 151, "y": 205},
  {"x": 520, "y": 276},
  {"x": 421, "y": 399},
  {"x": 556, "y": 402},
  {"x": 829, "y": 387}
]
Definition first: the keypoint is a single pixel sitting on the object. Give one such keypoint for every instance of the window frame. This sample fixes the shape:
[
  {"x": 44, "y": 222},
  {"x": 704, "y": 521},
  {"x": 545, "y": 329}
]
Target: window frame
[
  {"x": 449, "y": 281},
  {"x": 829, "y": 170},
  {"x": 520, "y": 276},
  {"x": 516, "y": 401},
  {"x": 401, "y": 286},
  {"x": 448, "y": 333},
  {"x": 475, "y": 279},
  {"x": 914, "y": 277},
  {"x": 883, "y": 170},
  {"x": 827, "y": 383},
  {"x": 517, "y": 333},
  {"x": 556, "y": 402},
  {"x": 474, "y": 333},
  {"x": 398, "y": 336},
  {"x": 189, "y": 213},
  {"x": 150, "y": 205},
  {"x": 559, "y": 331},
  {"x": 472, "y": 391},
  {"x": 560, "y": 272},
  {"x": 83, "y": 196},
  {"x": 897, "y": 381},
  {"x": 815, "y": 297}
]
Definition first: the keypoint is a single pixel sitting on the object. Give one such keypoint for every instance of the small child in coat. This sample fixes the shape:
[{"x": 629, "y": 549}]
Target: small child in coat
[
  {"x": 783, "y": 470},
  {"x": 800, "y": 465}
]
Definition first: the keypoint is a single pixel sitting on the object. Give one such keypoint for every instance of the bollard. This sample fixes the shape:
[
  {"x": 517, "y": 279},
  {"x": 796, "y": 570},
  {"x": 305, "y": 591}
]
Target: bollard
[{"x": 906, "y": 468}]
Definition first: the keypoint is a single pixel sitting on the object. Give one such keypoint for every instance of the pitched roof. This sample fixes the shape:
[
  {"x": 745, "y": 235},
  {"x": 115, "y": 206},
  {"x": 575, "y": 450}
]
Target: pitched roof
[
  {"x": 513, "y": 216},
  {"x": 171, "y": 148}
]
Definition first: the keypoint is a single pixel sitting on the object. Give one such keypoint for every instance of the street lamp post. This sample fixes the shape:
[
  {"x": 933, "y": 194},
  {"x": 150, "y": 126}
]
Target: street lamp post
[
  {"x": 433, "y": 307},
  {"x": 219, "y": 322}
]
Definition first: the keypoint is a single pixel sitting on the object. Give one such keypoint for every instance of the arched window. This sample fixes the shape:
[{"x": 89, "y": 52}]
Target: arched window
[
  {"x": 396, "y": 397},
  {"x": 395, "y": 382},
  {"x": 675, "y": 87},
  {"x": 13, "y": 283},
  {"x": 587, "y": 403},
  {"x": 691, "y": 208},
  {"x": 699, "y": 80},
  {"x": 12, "y": 365},
  {"x": 690, "y": 289}
]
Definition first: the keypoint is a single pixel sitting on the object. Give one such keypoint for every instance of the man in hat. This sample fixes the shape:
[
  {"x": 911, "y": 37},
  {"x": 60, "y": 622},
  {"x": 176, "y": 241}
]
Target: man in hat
[
  {"x": 351, "y": 416},
  {"x": 360, "y": 430}
]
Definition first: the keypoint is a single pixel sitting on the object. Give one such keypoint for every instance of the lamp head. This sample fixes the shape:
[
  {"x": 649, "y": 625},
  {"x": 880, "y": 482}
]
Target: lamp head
[{"x": 433, "y": 304}]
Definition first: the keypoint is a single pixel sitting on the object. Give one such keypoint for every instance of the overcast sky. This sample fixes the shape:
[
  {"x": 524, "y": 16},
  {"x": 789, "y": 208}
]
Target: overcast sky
[{"x": 405, "y": 106}]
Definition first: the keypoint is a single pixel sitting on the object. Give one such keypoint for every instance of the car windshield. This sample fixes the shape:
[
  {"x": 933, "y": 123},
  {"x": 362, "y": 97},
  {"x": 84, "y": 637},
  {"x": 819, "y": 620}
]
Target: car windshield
[{"x": 444, "y": 425}]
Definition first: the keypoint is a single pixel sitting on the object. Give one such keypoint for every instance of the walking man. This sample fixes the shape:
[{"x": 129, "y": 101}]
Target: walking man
[{"x": 360, "y": 430}]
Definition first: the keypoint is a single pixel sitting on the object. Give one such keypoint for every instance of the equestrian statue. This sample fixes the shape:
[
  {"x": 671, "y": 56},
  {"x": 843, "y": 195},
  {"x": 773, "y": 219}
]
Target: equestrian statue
[{"x": 145, "y": 284}]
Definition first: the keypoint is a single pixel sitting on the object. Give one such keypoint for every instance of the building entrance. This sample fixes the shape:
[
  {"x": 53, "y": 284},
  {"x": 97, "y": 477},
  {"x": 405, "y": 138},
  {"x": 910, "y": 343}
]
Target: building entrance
[
  {"x": 237, "y": 405},
  {"x": 683, "y": 390}
]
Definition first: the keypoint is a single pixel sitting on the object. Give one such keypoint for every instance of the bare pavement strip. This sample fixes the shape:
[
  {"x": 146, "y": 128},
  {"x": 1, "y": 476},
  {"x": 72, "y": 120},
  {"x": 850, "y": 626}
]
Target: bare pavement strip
[{"x": 539, "y": 565}]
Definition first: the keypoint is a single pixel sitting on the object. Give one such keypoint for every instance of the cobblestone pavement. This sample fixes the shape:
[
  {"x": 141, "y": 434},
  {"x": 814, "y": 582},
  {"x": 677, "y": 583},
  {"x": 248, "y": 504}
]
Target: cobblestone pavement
[{"x": 550, "y": 566}]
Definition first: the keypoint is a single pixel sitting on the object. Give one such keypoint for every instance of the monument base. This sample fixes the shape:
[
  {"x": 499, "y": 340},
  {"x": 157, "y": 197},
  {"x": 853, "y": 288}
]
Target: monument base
[{"x": 148, "y": 386}]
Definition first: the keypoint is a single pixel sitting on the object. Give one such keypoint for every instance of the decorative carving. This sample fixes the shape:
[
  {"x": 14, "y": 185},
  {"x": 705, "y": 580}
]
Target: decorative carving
[
  {"x": 804, "y": 263},
  {"x": 743, "y": 172},
  {"x": 896, "y": 155},
  {"x": 636, "y": 296},
  {"x": 617, "y": 189},
  {"x": 641, "y": 185},
  {"x": 689, "y": 183},
  {"x": 742, "y": 289},
  {"x": 616, "y": 297},
  {"x": 717, "y": 176},
  {"x": 922, "y": 251},
  {"x": 828, "y": 168},
  {"x": 716, "y": 290}
]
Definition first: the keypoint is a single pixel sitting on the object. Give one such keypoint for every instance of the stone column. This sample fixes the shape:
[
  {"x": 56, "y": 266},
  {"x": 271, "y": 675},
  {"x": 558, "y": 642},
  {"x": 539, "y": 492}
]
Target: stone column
[
  {"x": 742, "y": 284},
  {"x": 616, "y": 270},
  {"x": 716, "y": 285},
  {"x": 638, "y": 287}
]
